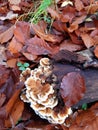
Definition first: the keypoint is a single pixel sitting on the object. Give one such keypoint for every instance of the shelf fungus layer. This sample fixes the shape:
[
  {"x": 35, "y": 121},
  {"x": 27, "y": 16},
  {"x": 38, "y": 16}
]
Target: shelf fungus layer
[{"x": 42, "y": 94}]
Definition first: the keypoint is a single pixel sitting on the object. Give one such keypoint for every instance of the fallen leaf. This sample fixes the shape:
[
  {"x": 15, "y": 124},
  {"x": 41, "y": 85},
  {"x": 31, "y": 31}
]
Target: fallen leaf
[
  {"x": 4, "y": 75},
  {"x": 37, "y": 46},
  {"x": 75, "y": 24},
  {"x": 7, "y": 35},
  {"x": 14, "y": 46},
  {"x": 15, "y": 114},
  {"x": 70, "y": 46},
  {"x": 10, "y": 15},
  {"x": 2, "y": 55},
  {"x": 92, "y": 8},
  {"x": 96, "y": 51},
  {"x": 79, "y": 5},
  {"x": 72, "y": 88},
  {"x": 86, "y": 120},
  {"x": 41, "y": 33},
  {"x": 12, "y": 63},
  {"x": 54, "y": 14},
  {"x": 22, "y": 31},
  {"x": 68, "y": 14},
  {"x": 16, "y": 2},
  {"x": 65, "y": 3},
  {"x": 87, "y": 39},
  {"x": 29, "y": 56},
  {"x": 2, "y": 99}
]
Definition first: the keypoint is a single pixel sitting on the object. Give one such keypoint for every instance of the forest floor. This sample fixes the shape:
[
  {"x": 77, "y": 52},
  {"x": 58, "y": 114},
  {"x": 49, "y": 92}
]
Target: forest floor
[{"x": 54, "y": 44}]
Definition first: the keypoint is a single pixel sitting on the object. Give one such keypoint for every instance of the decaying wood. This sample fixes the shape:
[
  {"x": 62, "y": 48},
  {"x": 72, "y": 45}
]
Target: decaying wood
[{"x": 62, "y": 67}]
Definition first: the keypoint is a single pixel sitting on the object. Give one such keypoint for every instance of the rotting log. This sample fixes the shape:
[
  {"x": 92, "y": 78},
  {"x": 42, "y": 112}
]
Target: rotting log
[{"x": 62, "y": 67}]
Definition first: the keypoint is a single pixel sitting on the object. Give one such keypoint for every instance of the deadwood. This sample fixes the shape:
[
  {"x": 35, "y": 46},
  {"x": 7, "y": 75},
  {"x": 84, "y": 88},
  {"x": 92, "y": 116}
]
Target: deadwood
[{"x": 62, "y": 66}]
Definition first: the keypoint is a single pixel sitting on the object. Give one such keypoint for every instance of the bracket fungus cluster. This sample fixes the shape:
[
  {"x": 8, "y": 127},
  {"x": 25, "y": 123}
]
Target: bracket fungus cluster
[{"x": 41, "y": 94}]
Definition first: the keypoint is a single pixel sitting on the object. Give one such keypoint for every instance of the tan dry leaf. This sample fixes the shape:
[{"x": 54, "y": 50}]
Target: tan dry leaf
[
  {"x": 15, "y": 114},
  {"x": 7, "y": 35},
  {"x": 30, "y": 56},
  {"x": 70, "y": 46},
  {"x": 79, "y": 5},
  {"x": 88, "y": 40}
]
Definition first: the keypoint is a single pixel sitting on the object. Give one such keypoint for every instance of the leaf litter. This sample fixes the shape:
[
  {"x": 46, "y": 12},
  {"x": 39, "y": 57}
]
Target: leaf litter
[{"x": 69, "y": 33}]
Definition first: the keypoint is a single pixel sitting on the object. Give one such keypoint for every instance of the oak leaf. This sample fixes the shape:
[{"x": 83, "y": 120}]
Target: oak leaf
[{"x": 72, "y": 88}]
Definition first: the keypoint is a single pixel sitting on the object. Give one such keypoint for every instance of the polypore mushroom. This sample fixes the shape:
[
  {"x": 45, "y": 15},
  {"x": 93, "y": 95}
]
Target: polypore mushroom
[{"x": 41, "y": 94}]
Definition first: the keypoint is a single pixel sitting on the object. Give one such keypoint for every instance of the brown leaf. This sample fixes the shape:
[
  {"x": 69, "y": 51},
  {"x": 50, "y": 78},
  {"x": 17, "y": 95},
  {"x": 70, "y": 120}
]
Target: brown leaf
[
  {"x": 22, "y": 31},
  {"x": 2, "y": 99},
  {"x": 15, "y": 46},
  {"x": 68, "y": 14},
  {"x": 87, "y": 39},
  {"x": 86, "y": 120},
  {"x": 4, "y": 75},
  {"x": 29, "y": 56},
  {"x": 37, "y": 46},
  {"x": 54, "y": 14},
  {"x": 96, "y": 51},
  {"x": 7, "y": 35},
  {"x": 12, "y": 63},
  {"x": 14, "y": 1},
  {"x": 72, "y": 88},
  {"x": 41, "y": 33},
  {"x": 76, "y": 23},
  {"x": 79, "y": 5},
  {"x": 14, "y": 98},
  {"x": 92, "y": 8},
  {"x": 70, "y": 46},
  {"x": 15, "y": 114}
]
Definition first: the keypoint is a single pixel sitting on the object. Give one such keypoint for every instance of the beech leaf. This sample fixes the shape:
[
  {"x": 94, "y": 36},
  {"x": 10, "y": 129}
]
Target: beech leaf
[{"x": 72, "y": 88}]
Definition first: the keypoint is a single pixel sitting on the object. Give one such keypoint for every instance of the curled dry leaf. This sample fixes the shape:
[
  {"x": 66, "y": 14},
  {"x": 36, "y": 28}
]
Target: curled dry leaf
[
  {"x": 92, "y": 8},
  {"x": 72, "y": 88},
  {"x": 46, "y": 36},
  {"x": 87, "y": 39},
  {"x": 7, "y": 35},
  {"x": 22, "y": 31},
  {"x": 16, "y": 2}
]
